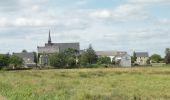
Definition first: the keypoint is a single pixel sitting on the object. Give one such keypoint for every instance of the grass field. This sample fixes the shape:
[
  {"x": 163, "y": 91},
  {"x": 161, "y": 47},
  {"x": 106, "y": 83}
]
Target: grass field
[{"x": 86, "y": 84}]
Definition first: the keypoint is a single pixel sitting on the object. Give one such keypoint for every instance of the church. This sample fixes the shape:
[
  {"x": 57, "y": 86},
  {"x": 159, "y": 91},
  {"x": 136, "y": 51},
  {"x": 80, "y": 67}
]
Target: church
[{"x": 49, "y": 48}]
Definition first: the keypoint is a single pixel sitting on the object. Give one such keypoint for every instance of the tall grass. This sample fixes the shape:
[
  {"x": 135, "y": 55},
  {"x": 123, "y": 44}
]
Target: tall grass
[{"x": 87, "y": 84}]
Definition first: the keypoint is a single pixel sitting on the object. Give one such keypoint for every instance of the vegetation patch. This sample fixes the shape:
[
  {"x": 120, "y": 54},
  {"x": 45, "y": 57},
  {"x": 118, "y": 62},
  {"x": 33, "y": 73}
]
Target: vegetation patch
[{"x": 147, "y": 83}]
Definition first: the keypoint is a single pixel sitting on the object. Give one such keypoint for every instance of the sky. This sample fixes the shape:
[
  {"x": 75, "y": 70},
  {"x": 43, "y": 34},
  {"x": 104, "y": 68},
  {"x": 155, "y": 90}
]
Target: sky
[{"x": 124, "y": 25}]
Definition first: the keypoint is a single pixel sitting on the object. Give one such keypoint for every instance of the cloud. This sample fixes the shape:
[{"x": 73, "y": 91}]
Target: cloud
[
  {"x": 81, "y": 2},
  {"x": 149, "y": 1},
  {"x": 126, "y": 12},
  {"x": 164, "y": 21},
  {"x": 24, "y": 24}
]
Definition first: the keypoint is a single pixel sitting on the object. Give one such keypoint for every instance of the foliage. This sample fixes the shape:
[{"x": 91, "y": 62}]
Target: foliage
[
  {"x": 88, "y": 57},
  {"x": 167, "y": 56},
  {"x": 71, "y": 62},
  {"x": 133, "y": 58},
  {"x": 83, "y": 59},
  {"x": 70, "y": 57},
  {"x": 104, "y": 60},
  {"x": 57, "y": 60},
  {"x": 25, "y": 51},
  {"x": 66, "y": 58},
  {"x": 4, "y": 60},
  {"x": 16, "y": 61},
  {"x": 35, "y": 57},
  {"x": 156, "y": 58},
  {"x": 148, "y": 61}
]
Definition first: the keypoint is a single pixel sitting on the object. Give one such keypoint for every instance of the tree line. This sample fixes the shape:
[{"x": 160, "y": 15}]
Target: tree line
[
  {"x": 71, "y": 58},
  {"x": 10, "y": 61}
]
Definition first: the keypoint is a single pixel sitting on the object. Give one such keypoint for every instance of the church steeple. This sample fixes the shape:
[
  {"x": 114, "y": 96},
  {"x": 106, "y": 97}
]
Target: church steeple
[{"x": 49, "y": 38}]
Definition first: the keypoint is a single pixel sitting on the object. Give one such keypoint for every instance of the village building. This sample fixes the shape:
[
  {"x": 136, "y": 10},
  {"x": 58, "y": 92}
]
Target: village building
[
  {"x": 28, "y": 58},
  {"x": 120, "y": 57},
  {"x": 142, "y": 58},
  {"x": 49, "y": 48}
]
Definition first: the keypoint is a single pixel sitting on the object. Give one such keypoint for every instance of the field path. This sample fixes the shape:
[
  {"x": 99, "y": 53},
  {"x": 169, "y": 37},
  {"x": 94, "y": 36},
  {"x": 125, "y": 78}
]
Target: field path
[{"x": 2, "y": 98}]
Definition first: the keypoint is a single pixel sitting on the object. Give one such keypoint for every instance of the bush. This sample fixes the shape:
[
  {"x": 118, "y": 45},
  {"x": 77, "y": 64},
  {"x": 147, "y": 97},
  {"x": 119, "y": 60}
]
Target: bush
[
  {"x": 104, "y": 60},
  {"x": 4, "y": 60},
  {"x": 57, "y": 60},
  {"x": 88, "y": 57},
  {"x": 16, "y": 61}
]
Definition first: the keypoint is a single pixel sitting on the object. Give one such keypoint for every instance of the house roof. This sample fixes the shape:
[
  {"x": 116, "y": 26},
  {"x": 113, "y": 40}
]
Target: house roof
[
  {"x": 110, "y": 53},
  {"x": 142, "y": 54},
  {"x": 22, "y": 55}
]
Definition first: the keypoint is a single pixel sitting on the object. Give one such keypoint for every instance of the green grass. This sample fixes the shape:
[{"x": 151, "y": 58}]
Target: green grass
[{"x": 87, "y": 84}]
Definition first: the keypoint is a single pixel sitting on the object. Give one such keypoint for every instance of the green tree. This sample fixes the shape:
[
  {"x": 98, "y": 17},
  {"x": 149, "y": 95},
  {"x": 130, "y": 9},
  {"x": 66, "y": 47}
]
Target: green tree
[
  {"x": 16, "y": 61},
  {"x": 67, "y": 58},
  {"x": 25, "y": 51},
  {"x": 104, "y": 60},
  {"x": 133, "y": 58},
  {"x": 71, "y": 56},
  {"x": 4, "y": 60},
  {"x": 167, "y": 56},
  {"x": 156, "y": 58},
  {"x": 57, "y": 60},
  {"x": 35, "y": 58},
  {"x": 83, "y": 59},
  {"x": 71, "y": 62},
  {"x": 88, "y": 57}
]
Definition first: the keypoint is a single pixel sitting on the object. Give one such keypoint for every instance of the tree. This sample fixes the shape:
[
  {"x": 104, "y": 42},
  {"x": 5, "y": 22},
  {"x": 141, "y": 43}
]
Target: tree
[
  {"x": 167, "y": 56},
  {"x": 155, "y": 58},
  {"x": 25, "y": 51},
  {"x": 71, "y": 62},
  {"x": 35, "y": 57},
  {"x": 83, "y": 59},
  {"x": 4, "y": 60},
  {"x": 104, "y": 60},
  {"x": 134, "y": 57},
  {"x": 67, "y": 58},
  {"x": 16, "y": 61},
  {"x": 70, "y": 57},
  {"x": 88, "y": 57},
  {"x": 57, "y": 60}
]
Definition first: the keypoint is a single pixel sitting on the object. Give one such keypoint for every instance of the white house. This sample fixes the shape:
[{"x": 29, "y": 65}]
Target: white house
[{"x": 120, "y": 57}]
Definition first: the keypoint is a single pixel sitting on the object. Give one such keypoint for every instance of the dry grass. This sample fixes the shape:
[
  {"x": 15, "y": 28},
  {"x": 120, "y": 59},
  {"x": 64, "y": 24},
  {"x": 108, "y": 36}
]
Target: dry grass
[
  {"x": 87, "y": 84},
  {"x": 2, "y": 98}
]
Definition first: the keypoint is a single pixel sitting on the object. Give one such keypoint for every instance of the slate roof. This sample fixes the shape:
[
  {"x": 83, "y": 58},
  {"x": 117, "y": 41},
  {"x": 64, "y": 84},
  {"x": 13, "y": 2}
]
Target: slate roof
[
  {"x": 110, "y": 53},
  {"x": 25, "y": 56},
  {"x": 57, "y": 47},
  {"x": 142, "y": 54},
  {"x": 48, "y": 49}
]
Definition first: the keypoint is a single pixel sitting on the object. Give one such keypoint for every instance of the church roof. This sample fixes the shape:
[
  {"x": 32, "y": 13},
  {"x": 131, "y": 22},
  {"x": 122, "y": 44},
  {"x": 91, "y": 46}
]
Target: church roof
[{"x": 57, "y": 47}]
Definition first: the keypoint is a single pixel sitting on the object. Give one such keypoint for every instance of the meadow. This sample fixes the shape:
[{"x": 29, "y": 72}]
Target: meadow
[{"x": 144, "y": 83}]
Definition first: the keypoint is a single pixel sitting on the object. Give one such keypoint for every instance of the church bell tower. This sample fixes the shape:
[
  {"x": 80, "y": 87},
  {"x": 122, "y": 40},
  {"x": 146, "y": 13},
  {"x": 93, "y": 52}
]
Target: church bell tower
[{"x": 49, "y": 38}]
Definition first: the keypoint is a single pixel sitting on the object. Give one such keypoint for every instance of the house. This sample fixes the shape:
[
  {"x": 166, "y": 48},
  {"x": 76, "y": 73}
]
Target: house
[
  {"x": 50, "y": 48},
  {"x": 142, "y": 58},
  {"x": 28, "y": 58},
  {"x": 123, "y": 60},
  {"x": 120, "y": 57}
]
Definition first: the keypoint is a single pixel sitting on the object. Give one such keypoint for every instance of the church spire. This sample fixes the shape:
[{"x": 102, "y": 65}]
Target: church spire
[{"x": 49, "y": 38}]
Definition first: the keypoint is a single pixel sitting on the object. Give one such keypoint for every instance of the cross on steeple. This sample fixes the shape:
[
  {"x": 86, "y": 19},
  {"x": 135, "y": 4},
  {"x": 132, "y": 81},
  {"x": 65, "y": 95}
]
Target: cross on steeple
[{"x": 49, "y": 38}]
